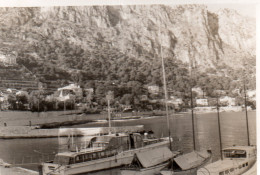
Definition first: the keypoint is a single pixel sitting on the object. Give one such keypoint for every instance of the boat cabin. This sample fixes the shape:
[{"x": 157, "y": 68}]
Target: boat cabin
[
  {"x": 237, "y": 152},
  {"x": 101, "y": 147},
  {"x": 236, "y": 160}
]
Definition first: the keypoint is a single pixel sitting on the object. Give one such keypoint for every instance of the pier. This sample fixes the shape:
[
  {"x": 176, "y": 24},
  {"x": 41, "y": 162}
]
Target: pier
[{"x": 13, "y": 132}]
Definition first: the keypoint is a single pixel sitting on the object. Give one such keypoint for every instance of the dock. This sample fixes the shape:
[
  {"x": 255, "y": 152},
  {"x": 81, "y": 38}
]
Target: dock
[
  {"x": 6, "y": 168},
  {"x": 15, "y": 132}
]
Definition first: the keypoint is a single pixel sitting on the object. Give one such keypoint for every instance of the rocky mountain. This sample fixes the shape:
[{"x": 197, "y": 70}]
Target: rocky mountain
[{"x": 187, "y": 33}]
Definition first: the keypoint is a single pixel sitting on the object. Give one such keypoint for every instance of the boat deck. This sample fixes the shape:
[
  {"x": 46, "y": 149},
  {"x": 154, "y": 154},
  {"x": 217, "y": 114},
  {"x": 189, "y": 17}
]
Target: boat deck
[{"x": 222, "y": 165}]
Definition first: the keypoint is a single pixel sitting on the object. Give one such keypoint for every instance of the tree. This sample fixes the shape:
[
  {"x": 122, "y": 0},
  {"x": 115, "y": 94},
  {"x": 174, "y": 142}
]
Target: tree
[
  {"x": 126, "y": 99},
  {"x": 12, "y": 101}
]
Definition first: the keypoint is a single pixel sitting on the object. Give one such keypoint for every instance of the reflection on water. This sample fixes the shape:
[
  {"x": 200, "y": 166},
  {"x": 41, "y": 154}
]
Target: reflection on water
[{"x": 233, "y": 128}]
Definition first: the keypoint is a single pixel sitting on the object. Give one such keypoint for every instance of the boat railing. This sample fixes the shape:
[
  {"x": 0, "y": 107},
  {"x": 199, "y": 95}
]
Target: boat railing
[{"x": 152, "y": 141}]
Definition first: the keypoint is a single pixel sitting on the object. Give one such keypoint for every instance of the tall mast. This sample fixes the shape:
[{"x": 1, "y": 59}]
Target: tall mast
[
  {"x": 165, "y": 92},
  {"x": 192, "y": 115},
  {"x": 219, "y": 131},
  {"x": 247, "y": 128},
  {"x": 109, "y": 97},
  {"x": 109, "y": 116}
]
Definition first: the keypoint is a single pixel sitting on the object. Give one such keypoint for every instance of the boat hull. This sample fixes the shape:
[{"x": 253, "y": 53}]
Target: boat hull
[
  {"x": 237, "y": 166},
  {"x": 120, "y": 159},
  {"x": 145, "y": 171}
]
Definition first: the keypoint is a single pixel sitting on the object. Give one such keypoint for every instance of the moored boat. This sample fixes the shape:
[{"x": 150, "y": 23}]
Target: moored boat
[
  {"x": 103, "y": 152},
  {"x": 149, "y": 162},
  {"x": 236, "y": 160},
  {"x": 187, "y": 164}
]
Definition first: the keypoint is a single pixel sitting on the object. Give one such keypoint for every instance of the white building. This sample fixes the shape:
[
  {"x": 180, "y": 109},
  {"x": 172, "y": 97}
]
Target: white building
[
  {"x": 175, "y": 101},
  {"x": 9, "y": 58},
  {"x": 202, "y": 102},
  {"x": 67, "y": 92},
  {"x": 229, "y": 101},
  {"x": 153, "y": 89},
  {"x": 251, "y": 94}
]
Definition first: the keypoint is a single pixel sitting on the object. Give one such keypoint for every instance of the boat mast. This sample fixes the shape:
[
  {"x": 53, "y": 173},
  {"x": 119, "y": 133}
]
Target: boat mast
[
  {"x": 219, "y": 131},
  {"x": 192, "y": 115},
  {"x": 165, "y": 91},
  {"x": 109, "y": 97},
  {"x": 109, "y": 116},
  {"x": 247, "y": 128}
]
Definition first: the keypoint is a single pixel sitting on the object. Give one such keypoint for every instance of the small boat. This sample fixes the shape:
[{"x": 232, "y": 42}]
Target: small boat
[
  {"x": 149, "y": 162},
  {"x": 236, "y": 160},
  {"x": 102, "y": 152},
  {"x": 187, "y": 164}
]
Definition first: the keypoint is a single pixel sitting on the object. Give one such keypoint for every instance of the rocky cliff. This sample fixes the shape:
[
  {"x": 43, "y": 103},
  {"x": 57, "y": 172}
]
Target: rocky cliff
[{"x": 189, "y": 33}]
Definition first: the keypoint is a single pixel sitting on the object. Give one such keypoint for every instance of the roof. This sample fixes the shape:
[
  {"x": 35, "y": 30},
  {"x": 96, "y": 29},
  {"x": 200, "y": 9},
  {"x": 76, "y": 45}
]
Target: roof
[
  {"x": 69, "y": 87},
  {"x": 154, "y": 156},
  {"x": 192, "y": 159}
]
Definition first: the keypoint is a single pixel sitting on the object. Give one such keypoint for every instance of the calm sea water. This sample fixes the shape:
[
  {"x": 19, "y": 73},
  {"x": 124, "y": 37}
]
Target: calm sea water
[{"x": 233, "y": 129}]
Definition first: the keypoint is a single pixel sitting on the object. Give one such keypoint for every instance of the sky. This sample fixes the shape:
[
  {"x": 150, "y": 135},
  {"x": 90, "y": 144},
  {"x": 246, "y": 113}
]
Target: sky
[{"x": 243, "y": 9}]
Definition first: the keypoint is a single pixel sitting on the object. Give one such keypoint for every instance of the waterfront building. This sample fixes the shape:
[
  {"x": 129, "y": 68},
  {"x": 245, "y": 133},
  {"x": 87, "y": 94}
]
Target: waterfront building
[
  {"x": 227, "y": 101},
  {"x": 202, "y": 102},
  {"x": 175, "y": 101},
  {"x": 69, "y": 92},
  {"x": 71, "y": 88},
  {"x": 251, "y": 94}
]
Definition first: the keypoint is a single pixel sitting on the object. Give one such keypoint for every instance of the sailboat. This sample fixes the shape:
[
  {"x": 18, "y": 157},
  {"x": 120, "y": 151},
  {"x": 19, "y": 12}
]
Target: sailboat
[
  {"x": 234, "y": 160},
  {"x": 152, "y": 161},
  {"x": 189, "y": 163},
  {"x": 103, "y": 152}
]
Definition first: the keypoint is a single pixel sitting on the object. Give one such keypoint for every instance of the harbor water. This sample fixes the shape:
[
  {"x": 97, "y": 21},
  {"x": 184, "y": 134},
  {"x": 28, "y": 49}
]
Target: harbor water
[{"x": 29, "y": 152}]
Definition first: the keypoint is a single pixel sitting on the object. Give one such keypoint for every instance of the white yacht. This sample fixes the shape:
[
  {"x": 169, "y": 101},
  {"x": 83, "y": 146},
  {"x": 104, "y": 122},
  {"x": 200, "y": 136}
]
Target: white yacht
[
  {"x": 103, "y": 152},
  {"x": 236, "y": 160}
]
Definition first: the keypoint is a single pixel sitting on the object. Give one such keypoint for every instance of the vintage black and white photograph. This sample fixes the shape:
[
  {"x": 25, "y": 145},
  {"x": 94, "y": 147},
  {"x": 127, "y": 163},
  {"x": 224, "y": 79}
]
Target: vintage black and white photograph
[{"x": 128, "y": 89}]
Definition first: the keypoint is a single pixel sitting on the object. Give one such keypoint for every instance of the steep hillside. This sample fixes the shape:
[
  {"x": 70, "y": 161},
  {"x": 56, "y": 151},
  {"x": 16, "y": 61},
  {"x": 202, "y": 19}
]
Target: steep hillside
[{"x": 108, "y": 42}]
